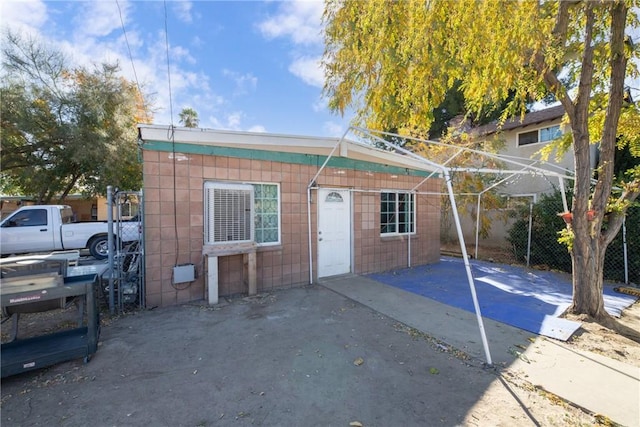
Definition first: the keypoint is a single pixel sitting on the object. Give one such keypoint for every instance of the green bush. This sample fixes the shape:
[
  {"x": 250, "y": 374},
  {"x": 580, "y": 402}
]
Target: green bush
[
  {"x": 545, "y": 248},
  {"x": 547, "y": 251},
  {"x": 614, "y": 258}
]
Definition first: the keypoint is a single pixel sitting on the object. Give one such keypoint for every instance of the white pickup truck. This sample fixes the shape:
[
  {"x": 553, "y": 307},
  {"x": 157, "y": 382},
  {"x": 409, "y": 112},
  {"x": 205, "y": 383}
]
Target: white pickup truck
[{"x": 44, "y": 228}]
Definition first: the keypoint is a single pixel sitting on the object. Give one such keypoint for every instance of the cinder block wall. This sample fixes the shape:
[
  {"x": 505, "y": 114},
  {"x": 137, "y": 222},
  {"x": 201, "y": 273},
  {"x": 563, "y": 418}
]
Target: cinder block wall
[{"x": 174, "y": 232}]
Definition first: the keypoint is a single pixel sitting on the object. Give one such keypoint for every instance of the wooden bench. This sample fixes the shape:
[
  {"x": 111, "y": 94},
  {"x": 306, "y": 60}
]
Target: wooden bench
[{"x": 212, "y": 252}]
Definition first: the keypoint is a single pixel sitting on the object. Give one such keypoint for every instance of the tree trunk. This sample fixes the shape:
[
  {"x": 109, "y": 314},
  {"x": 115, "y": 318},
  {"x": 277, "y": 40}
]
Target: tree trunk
[
  {"x": 590, "y": 243},
  {"x": 587, "y": 261},
  {"x": 587, "y": 255}
]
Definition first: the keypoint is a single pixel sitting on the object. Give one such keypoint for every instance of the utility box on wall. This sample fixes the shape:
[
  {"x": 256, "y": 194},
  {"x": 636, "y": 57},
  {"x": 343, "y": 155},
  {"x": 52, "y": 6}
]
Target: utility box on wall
[{"x": 184, "y": 273}]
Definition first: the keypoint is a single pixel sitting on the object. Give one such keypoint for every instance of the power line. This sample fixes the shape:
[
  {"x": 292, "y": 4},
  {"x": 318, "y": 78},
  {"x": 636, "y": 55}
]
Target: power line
[
  {"x": 126, "y": 39},
  {"x": 173, "y": 150},
  {"x": 166, "y": 41}
]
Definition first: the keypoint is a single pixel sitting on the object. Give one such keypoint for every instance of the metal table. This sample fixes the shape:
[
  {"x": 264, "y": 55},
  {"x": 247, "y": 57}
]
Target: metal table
[{"x": 23, "y": 355}]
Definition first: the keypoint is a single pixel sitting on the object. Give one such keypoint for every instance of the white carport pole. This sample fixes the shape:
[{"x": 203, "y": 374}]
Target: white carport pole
[
  {"x": 564, "y": 194},
  {"x": 454, "y": 207},
  {"x": 467, "y": 266},
  {"x": 478, "y": 224}
]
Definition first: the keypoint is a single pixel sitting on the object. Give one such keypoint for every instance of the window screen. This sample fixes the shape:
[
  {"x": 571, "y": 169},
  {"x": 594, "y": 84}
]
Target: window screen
[
  {"x": 528, "y": 138},
  {"x": 229, "y": 213}
]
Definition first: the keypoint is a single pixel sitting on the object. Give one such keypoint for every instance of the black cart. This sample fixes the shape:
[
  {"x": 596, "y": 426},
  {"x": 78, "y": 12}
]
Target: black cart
[{"x": 25, "y": 294}]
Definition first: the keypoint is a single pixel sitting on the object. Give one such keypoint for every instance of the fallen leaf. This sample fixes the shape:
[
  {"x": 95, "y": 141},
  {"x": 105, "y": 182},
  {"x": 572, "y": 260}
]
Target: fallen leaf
[{"x": 434, "y": 371}]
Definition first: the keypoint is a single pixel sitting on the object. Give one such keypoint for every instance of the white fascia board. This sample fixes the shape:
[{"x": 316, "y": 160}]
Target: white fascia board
[
  {"x": 266, "y": 141},
  {"x": 279, "y": 142}
]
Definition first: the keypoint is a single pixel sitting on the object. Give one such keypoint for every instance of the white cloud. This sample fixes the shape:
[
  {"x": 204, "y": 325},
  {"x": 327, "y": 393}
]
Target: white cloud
[
  {"x": 23, "y": 17},
  {"x": 301, "y": 21},
  {"x": 309, "y": 70},
  {"x": 196, "y": 41},
  {"x": 244, "y": 82},
  {"x": 319, "y": 105},
  {"x": 257, "y": 129},
  {"x": 99, "y": 18},
  {"x": 182, "y": 9},
  {"x": 333, "y": 129},
  {"x": 232, "y": 121}
]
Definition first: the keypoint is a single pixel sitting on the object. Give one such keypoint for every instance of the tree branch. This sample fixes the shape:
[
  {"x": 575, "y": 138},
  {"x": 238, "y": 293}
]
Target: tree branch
[
  {"x": 550, "y": 78},
  {"x": 618, "y": 63}
]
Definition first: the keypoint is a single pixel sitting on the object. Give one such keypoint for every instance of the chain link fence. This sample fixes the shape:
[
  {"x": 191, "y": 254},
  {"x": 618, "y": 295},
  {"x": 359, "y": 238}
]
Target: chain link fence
[
  {"x": 123, "y": 284},
  {"x": 526, "y": 233}
]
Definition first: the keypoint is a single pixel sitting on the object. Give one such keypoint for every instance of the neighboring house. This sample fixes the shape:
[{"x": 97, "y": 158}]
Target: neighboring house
[
  {"x": 92, "y": 209},
  {"x": 238, "y": 212},
  {"x": 524, "y": 137}
]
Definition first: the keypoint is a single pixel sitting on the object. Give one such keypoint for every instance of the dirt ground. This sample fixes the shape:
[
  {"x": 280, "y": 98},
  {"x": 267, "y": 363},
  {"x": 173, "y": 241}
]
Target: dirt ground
[
  {"x": 607, "y": 342},
  {"x": 507, "y": 399}
]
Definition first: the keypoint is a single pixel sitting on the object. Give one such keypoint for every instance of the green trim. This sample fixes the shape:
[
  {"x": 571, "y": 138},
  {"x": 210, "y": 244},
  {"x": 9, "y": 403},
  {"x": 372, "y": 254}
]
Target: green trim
[{"x": 278, "y": 156}]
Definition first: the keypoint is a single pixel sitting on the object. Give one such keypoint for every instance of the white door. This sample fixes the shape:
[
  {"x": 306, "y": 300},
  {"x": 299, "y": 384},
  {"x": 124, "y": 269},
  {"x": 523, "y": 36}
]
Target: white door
[{"x": 334, "y": 232}]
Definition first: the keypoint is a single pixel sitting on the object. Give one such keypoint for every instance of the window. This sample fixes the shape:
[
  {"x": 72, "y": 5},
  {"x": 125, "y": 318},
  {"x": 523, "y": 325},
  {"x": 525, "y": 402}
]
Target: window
[
  {"x": 527, "y": 138},
  {"x": 228, "y": 213},
  {"x": 550, "y": 133},
  {"x": 267, "y": 213},
  {"x": 29, "y": 218},
  {"x": 397, "y": 213},
  {"x": 242, "y": 213},
  {"x": 539, "y": 135}
]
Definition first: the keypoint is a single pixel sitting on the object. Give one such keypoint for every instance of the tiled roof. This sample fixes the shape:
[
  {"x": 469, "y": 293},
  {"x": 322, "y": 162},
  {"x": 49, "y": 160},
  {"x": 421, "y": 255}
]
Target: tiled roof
[{"x": 535, "y": 117}]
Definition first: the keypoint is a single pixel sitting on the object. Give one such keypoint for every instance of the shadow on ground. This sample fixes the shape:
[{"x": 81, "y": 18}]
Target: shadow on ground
[{"x": 303, "y": 356}]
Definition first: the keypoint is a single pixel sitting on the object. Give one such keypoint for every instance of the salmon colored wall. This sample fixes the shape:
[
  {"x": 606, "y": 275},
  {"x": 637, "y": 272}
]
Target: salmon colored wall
[{"x": 173, "y": 239}]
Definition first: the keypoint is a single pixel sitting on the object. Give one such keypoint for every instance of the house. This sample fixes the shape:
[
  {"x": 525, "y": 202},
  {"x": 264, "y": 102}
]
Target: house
[
  {"x": 85, "y": 209},
  {"x": 523, "y": 138},
  {"x": 237, "y": 212}
]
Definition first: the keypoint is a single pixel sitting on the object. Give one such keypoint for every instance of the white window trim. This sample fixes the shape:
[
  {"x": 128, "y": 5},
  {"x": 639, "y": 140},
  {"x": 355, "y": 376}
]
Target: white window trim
[
  {"x": 518, "y": 145},
  {"x": 279, "y": 241},
  {"x": 414, "y": 216},
  {"x": 243, "y": 185}
]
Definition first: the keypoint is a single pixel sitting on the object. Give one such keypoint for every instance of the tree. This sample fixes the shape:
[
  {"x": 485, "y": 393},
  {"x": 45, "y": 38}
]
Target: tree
[
  {"x": 66, "y": 129},
  {"x": 189, "y": 118},
  {"x": 393, "y": 62}
]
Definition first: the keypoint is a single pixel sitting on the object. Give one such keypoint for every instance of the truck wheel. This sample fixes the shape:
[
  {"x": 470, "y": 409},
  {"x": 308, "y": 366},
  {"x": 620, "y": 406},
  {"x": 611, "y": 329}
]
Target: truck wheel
[{"x": 99, "y": 247}]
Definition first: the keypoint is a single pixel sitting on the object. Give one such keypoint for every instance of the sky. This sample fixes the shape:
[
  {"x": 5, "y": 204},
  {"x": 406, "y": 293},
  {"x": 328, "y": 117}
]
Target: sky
[{"x": 242, "y": 65}]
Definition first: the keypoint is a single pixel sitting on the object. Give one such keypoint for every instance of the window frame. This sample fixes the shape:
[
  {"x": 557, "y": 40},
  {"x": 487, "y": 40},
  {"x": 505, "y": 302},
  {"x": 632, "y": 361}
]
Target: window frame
[
  {"x": 279, "y": 213},
  {"x": 398, "y": 215},
  {"x": 539, "y": 139},
  {"x": 255, "y": 215},
  {"x": 26, "y": 217}
]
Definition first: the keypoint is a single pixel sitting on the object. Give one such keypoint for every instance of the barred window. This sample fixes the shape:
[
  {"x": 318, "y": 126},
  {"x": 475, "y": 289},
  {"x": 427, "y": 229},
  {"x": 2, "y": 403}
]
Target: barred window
[{"x": 397, "y": 213}]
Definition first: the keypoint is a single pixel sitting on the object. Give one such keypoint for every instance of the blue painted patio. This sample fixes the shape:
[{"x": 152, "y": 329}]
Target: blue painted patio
[{"x": 528, "y": 299}]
